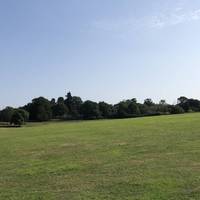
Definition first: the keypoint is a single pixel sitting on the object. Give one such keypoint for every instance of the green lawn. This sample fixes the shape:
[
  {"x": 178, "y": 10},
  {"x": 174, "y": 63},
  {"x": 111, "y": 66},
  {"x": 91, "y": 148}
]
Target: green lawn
[{"x": 144, "y": 158}]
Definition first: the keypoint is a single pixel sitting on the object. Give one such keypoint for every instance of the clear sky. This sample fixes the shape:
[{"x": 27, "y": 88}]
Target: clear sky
[{"x": 99, "y": 49}]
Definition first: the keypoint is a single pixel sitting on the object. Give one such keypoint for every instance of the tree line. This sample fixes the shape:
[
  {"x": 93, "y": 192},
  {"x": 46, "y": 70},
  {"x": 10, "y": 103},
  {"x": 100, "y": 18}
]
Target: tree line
[{"x": 73, "y": 108}]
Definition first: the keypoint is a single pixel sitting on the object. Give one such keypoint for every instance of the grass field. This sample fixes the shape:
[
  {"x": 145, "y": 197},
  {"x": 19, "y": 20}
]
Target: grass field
[{"x": 145, "y": 158}]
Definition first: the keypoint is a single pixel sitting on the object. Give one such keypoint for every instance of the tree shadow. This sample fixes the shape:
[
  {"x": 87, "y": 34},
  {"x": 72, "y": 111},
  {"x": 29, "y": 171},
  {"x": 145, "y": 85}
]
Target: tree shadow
[{"x": 9, "y": 126}]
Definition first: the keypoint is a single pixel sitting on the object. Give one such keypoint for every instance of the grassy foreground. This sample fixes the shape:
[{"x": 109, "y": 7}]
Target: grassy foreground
[{"x": 145, "y": 159}]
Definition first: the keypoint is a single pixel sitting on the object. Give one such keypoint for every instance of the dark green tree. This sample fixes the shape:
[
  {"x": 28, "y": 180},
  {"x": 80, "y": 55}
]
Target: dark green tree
[
  {"x": 176, "y": 109},
  {"x": 74, "y": 105},
  {"x": 24, "y": 114},
  {"x": 53, "y": 102},
  {"x": 133, "y": 109},
  {"x": 106, "y": 110},
  {"x": 60, "y": 100},
  {"x": 17, "y": 118},
  {"x": 90, "y": 110},
  {"x": 60, "y": 110},
  {"x": 122, "y": 109},
  {"x": 148, "y": 102},
  {"x": 182, "y": 99},
  {"x": 68, "y": 100},
  {"x": 162, "y": 102},
  {"x": 40, "y": 109},
  {"x": 6, "y": 114}
]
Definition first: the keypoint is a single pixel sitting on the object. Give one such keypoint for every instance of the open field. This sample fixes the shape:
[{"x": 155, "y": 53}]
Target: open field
[{"x": 145, "y": 158}]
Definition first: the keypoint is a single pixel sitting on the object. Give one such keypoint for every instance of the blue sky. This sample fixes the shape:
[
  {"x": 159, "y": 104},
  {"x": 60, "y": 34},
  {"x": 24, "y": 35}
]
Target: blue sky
[{"x": 99, "y": 49}]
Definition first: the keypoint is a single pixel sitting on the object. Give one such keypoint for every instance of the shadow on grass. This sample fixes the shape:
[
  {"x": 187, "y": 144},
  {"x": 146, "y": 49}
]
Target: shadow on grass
[{"x": 9, "y": 126}]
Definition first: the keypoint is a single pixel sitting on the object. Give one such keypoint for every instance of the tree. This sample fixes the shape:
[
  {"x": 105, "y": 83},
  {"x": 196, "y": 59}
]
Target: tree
[
  {"x": 122, "y": 109},
  {"x": 133, "y": 109},
  {"x": 148, "y": 102},
  {"x": 194, "y": 105},
  {"x": 106, "y": 110},
  {"x": 134, "y": 100},
  {"x": 40, "y": 109},
  {"x": 53, "y": 102},
  {"x": 6, "y": 114},
  {"x": 162, "y": 102},
  {"x": 176, "y": 109},
  {"x": 60, "y": 110},
  {"x": 24, "y": 114},
  {"x": 68, "y": 100},
  {"x": 189, "y": 105},
  {"x": 182, "y": 99},
  {"x": 90, "y": 110},
  {"x": 17, "y": 118},
  {"x": 74, "y": 105},
  {"x": 60, "y": 100}
]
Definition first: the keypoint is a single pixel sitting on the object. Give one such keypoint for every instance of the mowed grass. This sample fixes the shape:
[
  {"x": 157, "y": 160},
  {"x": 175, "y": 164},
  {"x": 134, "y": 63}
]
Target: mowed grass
[{"x": 149, "y": 158}]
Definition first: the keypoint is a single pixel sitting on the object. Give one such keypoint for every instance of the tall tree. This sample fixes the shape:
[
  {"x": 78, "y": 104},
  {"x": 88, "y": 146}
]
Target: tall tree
[
  {"x": 133, "y": 109},
  {"x": 6, "y": 114},
  {"x": 122, "y": 109},
  {"x": 162, "y": 102},
  {"x": 74, "y": 105},
  {"x": 106, "y": 110},
  {"x": 90, "y": 110},
  {"x": 60, "y": 100},
  {"x": 40, "y": 109},
  {"x": 17, "y": 118},
  {"x": 60, "y": 110},
  {"x": 148, "y": 102},
  {"x": 182, "y": 99}
]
